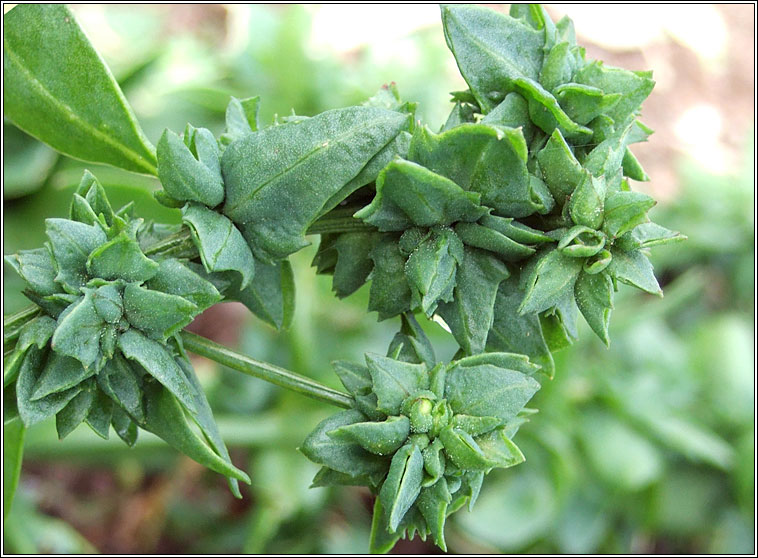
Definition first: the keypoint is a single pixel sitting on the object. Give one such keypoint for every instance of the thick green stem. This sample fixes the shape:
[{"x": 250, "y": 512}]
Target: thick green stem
[{"x": 265, "y": 371}]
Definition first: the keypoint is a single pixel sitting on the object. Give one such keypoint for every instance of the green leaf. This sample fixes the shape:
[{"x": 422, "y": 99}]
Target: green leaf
[
  {"x": 394, "y": 380},
  {"x": 157, "y": 361},
  {"x": 159, "y": 315},
  {"x": 99, "y": 415},
  {"x": 423, "y": 198},
  {"x": 560, "y": 169},
  {"x": 206, "y": 422},
  {"x": 478, "y": 236},
  {"x": 59, "y": 374},
  {"x": 167, "y": 419},
  {"x": 632, "y": 167},
  {"x": 649, "y": 234},
  {"x": 402, "y": 485},
  {"x": 414, "y": 345},
  {"x": 124, "y": 427},
  {"x": 463, "y": 450},
  {"x": 475, "y": 426},
  {"x": 271, "y": 295},
  {"x": 380, "y": 438},
  {"x": 350, "y": 258},
  {"x": 119, "y": 381},
  {"x": 471, "y": 313},
  {"x": 488, "y": 390},
  {"x": 341, "y": 455},
  {"x": 108, "y": 303},
  {"x": 594, "y": 297},
  {"x": 296, "y": 168},
  {"x": 586, "y": 205},
  {"x": 78, "y": 331},
  {"x": 13, "y": 455},
  {"x": 221, "y": 245},
  {"x": 431, "y": 270},
  {"x": 511, "y": 332},
  {"x": 432, "y": 502},
  {"x": 121, "y": 258},
  {"x": 174, "y": 278},
  {"x": 49, "y": 91},
  {"x": 241, "y": 116},
  {"x": 355, "y": 377},
  {"x": 633, "y": 268},
  {"x": 581, "y": 242},
  {"x": 30, "y": 411},
  {"x": 546, "y": 277},
  {"x": 582, "y": 103},
  {"x": 499, "y": 449},
  {"x": 37, "y": 268},
  {"x": 390, "y": 294},
  {"x": 187, "y": 176},
  {"x": 94, "y": 194},
  {"x": 624, "y": 211},
  {"x": 72, "y": 243}
]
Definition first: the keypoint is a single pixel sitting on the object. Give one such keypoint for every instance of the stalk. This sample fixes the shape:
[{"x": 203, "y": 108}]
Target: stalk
[
  {"x": 265, "y": 371},
  {"x": 339, "y": 220}
]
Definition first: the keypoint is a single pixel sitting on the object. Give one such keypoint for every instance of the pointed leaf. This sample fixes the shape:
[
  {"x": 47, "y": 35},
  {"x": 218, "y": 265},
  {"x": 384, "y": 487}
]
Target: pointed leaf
[
  {"x": 119, "y": 381},
  {"x": 30, "y": 411},
  {"x": 156, "y": 360},
  {"x": 470, "y": 315},
  {"x": 78, "y": 331},
  {"x": 390, "y": 294},
  {"x": 499, "y": 449},
  {"x": 59, "y": 374},
  {"x": 431, "y": 270},
  {"x": 560, "y": 169},
  {"x": 159, "y": 315},
  {"x": 121, "y": 258},
  {"x": 174, "y": 278},
  {"x": 402, "y": 485},
  {"x": 37, "y": 268},
  {"x": 394, "y": 380},
  {"x": 242, "y": 116},
  {"x": 380, "y": 438},
  {"x": 49, "y": 91},
  {"x": 355, "y": 377},
  {"x": 478, "y": 236},
  {"x": 296, "y": 168},
  {"x": 415, "y": 345},
  {"x": 625, "y": 210},
  {"x": 547, "y": 276},
  {"x": 222, "y": 247},
  {"x": 594, "y": 297},
  {"x": 72, "y": 243},
  {"x": 633, "y": 268},
  {"x": 432, "y": 503},
  {"x": 124, "y": 427},
  {"x": 271, "y": 294},
  {"x": 184, "y": 177}
]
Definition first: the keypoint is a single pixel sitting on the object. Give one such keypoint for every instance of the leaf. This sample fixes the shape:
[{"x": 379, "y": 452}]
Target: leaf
[
  {"x": 78, "y": 331},
  {"x": 423, "y": 197},
  {"x": 463, "y": 450},
  {"x": 342, "y": 456},
  {"x": 59, "y": 374},
  {"x": 119, "y": 381},
  {"x": 488, "y": 390},
  {"x": 499, "y": 449},
  {"x": 30, "y": 411},
  {"x": 390, "y": 294},
  {"x": 121, "y": 258},
  {"x": 471, "y": 313},
  {"x": 108, "y": 303},
  {"x": 99, "y": 415},
  {"x": 478, "y": 236},
  {"x": 355, "y": 377},
  {"x": 167, "y": 420},
  {"x": 13, "y": 454},
  {"x": 431, "y": 270},
  {"x": 582, "y": 103},
  {"x": 242, "y": 116},
  {"x": 380, "y": 438},
  {"x": 72, "y": 243},
  {"x": 206, "y": 422},
  {"x": 174, "y": 278},
  {"x": 624, "y": 211},
  {"x": 159, "y": 315},
  {"x": 37, "y": 268},
  {"x": 271, "y": 295},
  {"x": 432, "y": 502},
  {"x": 124, "y": 427},
  {"x": 49, "y": 91},
  {"x": 581, "y": 242},
  {"x": 156, "y": 360},
  {"x": 560, "y": 169},
  {"x": 402, "y": 485},
  {"x": 650, "y": 234},
  {"x": 394, "y": 380},
  {"x": 594, "y": 297},
  {"x": 547, "y": 276},
  {"x": 221, "y": 245},
  {"x": 586, "y": 205},
  {"x": 186, "y": 178},
  {"x": 350, "y": 257},
  {"x": 511, "y": 332},
  {"x": 633, "y": 268},
  {"x": 296, "y": 168},
  {"x": 414, "y": 345}
]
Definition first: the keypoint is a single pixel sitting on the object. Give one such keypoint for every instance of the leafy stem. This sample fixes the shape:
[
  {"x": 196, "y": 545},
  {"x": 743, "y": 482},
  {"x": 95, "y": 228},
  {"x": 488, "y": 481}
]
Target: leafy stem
[{"x": 265, "y": 371}]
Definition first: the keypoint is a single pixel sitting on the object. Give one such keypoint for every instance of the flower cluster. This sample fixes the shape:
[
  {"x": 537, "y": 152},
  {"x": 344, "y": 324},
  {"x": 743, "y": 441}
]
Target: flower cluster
[
  {"x": 422, "y": 435},
  {"x": 103, "y": 348}
]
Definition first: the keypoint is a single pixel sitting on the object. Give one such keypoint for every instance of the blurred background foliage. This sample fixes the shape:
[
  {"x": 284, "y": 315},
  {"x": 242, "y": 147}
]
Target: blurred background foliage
[{"x": 645, "y": 447}]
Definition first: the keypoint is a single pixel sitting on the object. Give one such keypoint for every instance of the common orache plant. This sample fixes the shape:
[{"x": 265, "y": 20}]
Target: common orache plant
[{"x": 507, "y": 223}]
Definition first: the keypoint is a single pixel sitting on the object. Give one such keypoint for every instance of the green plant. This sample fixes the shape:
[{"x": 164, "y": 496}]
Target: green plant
[{"x": 512, "y": 220}]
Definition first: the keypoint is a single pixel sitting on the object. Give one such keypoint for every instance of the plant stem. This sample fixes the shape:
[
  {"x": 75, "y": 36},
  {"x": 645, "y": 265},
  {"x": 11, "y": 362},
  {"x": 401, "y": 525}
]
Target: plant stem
[
  {"x": 265, "y": 371},
  {"x": 178, "y": 244},
  {"x": 339, "y": 220}
]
